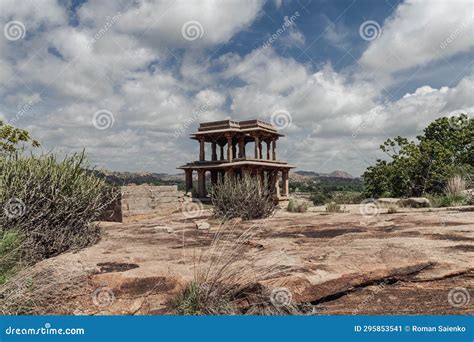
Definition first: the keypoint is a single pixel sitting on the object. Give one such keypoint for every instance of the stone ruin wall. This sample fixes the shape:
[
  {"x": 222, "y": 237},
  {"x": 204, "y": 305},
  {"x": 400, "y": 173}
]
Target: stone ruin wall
[{"x": 144, "y": 201}]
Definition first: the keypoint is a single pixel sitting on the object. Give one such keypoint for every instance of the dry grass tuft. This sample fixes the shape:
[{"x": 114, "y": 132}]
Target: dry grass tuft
[
  {"x": 226, "y": 282},
  {"x": 455, "y": 186},
  {"x": 42, "y": 289}
]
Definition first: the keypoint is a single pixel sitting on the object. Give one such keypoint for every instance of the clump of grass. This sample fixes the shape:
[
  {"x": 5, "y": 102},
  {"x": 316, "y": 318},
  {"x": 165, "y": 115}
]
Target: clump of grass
[
  {"x": 455, "y": 186},
  {"x": 10, "y": 242},
  {"x": 295, "y": 207},
  {"x": 333, "y": 207},
  {"x": 392, "y": 209},
  {"x": 226, "y": 282},
  {"x": 243, "y": 198}
]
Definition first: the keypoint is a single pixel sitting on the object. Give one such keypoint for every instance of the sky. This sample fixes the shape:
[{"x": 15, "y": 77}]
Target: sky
[{"x": 130, "y": 80}]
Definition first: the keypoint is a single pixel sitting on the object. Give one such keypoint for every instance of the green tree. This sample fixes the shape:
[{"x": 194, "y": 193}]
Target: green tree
[
  {"x": 11, "y": 137},
  {"x": 415, "y": 168}
]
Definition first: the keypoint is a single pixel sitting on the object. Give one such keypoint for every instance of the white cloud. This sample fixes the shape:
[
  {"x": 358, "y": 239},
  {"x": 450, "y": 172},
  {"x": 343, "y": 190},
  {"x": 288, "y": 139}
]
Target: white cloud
[{"x": 419, "y": 32}]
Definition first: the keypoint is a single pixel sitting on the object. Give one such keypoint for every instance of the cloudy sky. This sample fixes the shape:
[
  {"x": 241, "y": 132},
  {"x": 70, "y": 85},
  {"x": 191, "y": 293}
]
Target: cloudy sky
[{"x": 130, "y": 80}]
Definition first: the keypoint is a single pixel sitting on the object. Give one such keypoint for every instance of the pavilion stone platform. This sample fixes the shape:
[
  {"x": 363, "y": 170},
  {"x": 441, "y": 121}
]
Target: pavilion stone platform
[{"x": 230, "y": 156}]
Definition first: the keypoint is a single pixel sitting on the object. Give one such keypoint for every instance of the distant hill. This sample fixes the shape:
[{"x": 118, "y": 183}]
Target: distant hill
[{"x": 334, "y": 174}]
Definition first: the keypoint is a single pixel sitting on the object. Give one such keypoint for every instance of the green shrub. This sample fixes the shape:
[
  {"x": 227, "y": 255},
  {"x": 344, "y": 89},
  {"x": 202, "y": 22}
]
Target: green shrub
[
  {"x": 449, "y": 200},
  {"x": 243, "y": 198},
  {"x": 291, "y": 205},
  {"x": 52, "y": 203},
  {"x": 10, "y": 242},
  {"x": 346, "y": 197},
  {"x": 319, "y": 198},
  {"x": 333, "y": 207}
]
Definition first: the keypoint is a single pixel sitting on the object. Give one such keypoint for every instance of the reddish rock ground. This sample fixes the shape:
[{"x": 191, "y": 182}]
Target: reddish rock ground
[{"x": 416, "y": 261}]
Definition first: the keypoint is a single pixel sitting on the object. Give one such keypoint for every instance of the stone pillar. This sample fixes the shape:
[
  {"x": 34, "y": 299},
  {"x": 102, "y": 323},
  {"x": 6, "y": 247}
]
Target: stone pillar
[
  {"x": 234, "y": 151},
  {"x": 286, "y": 183},
  {"x": 214, "y": 151},
  {"x": 202, "y": 151},
  {"x": 257, "y": 143},
  {"x": 201, "y": 183},
  {"x": 241, "y": 147},
  {"x": 189, "y": 180},
  {"x": 214, "y": 177},
  {"x": 245, "y": 172},
  {"x": 260, "y": 150},
  {"x": 222, "y": 152},
  {"x": 229, "y": 148},
  {"x": 274, "y": 156},
  {"x": 268, "y": 150},
  {"x": 276, "y": 181}
]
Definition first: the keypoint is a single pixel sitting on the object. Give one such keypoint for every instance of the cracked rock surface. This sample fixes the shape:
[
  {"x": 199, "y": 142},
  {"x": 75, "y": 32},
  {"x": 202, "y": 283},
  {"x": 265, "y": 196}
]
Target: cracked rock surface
[{"x": 341, "y": 263}]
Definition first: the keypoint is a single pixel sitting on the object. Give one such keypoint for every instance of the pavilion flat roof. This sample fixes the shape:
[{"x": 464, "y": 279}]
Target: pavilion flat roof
[{"x": 225, "y": 126}]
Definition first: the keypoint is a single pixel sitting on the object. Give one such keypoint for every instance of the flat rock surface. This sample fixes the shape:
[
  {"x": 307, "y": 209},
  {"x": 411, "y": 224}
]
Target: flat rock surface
[{"x": 410, "y": 262}]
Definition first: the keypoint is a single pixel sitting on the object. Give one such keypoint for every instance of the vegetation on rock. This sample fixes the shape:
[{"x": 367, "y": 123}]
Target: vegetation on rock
[
  {"x": 443, "y": 151},
  {"x": 242, "y": 198}
]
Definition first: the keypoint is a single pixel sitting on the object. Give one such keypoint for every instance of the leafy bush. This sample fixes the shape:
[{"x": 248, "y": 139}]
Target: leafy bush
[
  {"x": 319, "y": 198},
  {"x": 242, "y": 197},
  {"x": 51, "y": 203},
  {"x": 415, "y": 169}
]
